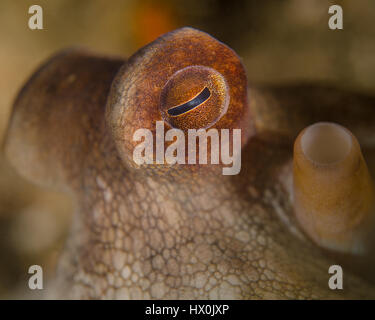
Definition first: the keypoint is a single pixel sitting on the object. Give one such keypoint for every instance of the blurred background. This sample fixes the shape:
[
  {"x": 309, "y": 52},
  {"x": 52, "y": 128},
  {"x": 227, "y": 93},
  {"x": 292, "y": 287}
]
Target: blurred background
[{"x": 279, "y": 42}]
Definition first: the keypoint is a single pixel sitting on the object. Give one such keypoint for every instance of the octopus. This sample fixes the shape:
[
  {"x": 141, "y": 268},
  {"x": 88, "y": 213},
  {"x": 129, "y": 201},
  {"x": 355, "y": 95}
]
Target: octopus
[{"x": 186, "y": 231}]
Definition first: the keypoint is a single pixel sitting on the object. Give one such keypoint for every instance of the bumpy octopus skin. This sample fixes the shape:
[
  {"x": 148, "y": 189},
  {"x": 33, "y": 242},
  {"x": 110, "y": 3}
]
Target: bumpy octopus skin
[{"x": 183, "y": 231}]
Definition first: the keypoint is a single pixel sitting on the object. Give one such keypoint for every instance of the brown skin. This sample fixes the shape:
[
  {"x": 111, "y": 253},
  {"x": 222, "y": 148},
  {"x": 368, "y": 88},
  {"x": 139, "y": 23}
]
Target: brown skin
[{"x": 180, "y": 231}]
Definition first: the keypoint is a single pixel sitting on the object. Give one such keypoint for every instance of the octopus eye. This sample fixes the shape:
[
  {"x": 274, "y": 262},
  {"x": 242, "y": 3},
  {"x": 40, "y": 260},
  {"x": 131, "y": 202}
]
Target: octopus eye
[
  {"x": 190, "y": 105},
  {"x": 334, "y": 197},
  {"x": 194, "y": 97}
]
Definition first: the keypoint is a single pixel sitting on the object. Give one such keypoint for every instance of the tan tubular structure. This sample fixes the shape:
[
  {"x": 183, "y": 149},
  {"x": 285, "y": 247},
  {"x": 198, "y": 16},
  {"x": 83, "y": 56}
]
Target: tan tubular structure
[{"x": 334, "y": 197}]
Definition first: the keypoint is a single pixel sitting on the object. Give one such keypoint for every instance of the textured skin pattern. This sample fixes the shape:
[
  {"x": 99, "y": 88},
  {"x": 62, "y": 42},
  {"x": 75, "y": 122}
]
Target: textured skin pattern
[{"x": 176, "y": 235}]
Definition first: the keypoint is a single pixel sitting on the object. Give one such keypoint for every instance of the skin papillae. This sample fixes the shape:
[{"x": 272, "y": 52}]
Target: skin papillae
[{"x": 183, "y": 231}]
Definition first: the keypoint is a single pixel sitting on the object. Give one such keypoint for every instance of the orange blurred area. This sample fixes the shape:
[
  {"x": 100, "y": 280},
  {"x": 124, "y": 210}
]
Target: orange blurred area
[{"x": 151, "y": 20}]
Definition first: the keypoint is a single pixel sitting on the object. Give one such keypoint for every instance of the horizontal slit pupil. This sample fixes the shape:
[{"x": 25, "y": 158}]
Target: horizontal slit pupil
[{"x": 187, "y": 106}]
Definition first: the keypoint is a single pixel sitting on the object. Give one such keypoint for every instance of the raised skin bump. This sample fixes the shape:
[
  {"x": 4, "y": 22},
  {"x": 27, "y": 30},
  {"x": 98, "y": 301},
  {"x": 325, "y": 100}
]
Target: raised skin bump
[{"x": 177, "y": 233}]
